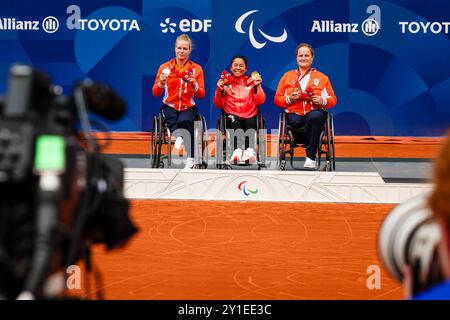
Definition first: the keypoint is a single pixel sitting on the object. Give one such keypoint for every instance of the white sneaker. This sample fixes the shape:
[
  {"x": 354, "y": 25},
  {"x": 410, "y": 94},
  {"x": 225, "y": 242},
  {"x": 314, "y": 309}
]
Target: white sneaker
[
  {"x": 236, "y": 156},
  {"x": 249, "y": 155},
  {"x": 178, "y": 143},
  {"x": 189, "y": 164},
  {"x": 310, "y": 164}
]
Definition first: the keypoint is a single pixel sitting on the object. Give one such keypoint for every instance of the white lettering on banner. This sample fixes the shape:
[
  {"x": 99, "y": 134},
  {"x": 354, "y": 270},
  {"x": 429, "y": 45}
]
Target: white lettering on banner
[
  {"x": 13, "y": 24},
  {"x": 117, "y": 25},
  {"x": 50, "y": 24},
  {"x": 186, "y": 25},
  {"x": 74, "y": 21},
  {"x": 113, "y": 25},
  {"x": 425, "y": 27},
  {"x": 369, "y": 26},
  {"x": 330, "y": 26}
]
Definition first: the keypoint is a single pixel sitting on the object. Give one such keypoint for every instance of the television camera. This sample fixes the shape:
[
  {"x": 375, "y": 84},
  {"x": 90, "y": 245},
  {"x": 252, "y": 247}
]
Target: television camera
[{"x": 58, "y": 194}]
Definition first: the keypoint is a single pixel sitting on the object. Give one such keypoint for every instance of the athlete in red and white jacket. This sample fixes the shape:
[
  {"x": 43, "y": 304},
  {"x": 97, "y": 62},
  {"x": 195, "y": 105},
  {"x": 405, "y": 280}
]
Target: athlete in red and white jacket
[
  {"x": 181, "y": 80},
  {"x": 305, "y": 93},
  {"x": 240, "y": 97}
]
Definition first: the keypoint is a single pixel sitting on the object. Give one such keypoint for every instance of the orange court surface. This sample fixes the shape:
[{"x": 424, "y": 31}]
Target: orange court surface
[
  {"x": 237, "y": 250},
  {"x": 254, "y": 250}
]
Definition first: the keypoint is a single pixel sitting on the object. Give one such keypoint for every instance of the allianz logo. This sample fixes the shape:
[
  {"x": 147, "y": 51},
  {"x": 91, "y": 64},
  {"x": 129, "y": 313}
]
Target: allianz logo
[
  {"x": 49, "y": 24},
  {"x": 369, "y": 26},
  {"x": 13, "y": 24}
]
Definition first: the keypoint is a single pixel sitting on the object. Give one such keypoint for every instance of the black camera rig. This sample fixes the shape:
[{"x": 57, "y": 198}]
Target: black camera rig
[{"x": 57, "y": 195}]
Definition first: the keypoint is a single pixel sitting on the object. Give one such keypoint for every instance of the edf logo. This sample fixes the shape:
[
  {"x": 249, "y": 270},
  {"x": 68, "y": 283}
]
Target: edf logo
[{"x": 186, "y": 25}]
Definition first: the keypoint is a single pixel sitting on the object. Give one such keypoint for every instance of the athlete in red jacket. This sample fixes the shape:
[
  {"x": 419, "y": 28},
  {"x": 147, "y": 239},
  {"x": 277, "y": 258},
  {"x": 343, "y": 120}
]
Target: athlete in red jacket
[
  {"x": 181, "y": 80},
  {"x": 240, "y": 96},
  {"x": 305, "y": 93}
]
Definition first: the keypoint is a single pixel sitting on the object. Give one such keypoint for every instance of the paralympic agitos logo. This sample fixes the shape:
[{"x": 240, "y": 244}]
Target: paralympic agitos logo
[
  {"x": 255, "y": 43},
  {"x": 246, "y": 190}
]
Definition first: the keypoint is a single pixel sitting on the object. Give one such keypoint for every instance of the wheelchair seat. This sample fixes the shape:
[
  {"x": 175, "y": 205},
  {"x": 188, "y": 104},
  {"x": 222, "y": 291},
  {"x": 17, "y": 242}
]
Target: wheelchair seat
[
  {"x": 290, "y": 138},
  {"x": 223, "y": 143},
  {"x": 161, "y": 135}
]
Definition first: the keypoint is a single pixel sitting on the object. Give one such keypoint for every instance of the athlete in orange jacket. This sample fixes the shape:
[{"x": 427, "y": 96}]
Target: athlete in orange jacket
[
  {"x": 240, "y": 96},
  {"x": 182, "y": 85},
  {"x": 305, "y": 93},
  {"x": 181, "y": 80}
]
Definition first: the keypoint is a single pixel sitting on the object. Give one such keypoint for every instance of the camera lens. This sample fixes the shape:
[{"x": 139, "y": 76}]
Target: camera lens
[{"x": 409, "y": 236}]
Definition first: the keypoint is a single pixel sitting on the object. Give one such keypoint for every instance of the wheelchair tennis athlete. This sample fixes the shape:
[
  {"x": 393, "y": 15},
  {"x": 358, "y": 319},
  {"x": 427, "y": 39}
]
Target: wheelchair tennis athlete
[
  {"x": 306, "y": 94},
  {"x": 181, "y": 80},
  {"x": 239, "y": 98}
]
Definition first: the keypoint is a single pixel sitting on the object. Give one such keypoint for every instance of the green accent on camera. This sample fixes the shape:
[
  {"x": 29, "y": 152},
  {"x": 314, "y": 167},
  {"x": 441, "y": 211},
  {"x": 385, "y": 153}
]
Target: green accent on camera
[{"x": 50, "y": 153}]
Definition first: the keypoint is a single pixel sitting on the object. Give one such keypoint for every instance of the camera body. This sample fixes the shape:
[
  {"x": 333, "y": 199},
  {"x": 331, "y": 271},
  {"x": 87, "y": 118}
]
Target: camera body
[
  {"x": 409, "y": 236},
  {"x": 58, "y": 196}
]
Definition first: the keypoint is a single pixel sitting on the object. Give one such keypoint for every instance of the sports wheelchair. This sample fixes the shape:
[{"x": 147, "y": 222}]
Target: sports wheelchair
[
  {"x": 289, "y": 138},
  {"x": 161, "y": 135},
  {"x": 225, "y": 142}
]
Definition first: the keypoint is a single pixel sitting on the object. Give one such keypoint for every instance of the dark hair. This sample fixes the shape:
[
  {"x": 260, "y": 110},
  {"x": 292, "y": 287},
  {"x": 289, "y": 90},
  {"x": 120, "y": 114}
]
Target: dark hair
[
  {"x": 307, "y": 45},
  {"x": 238, "y": 57}
]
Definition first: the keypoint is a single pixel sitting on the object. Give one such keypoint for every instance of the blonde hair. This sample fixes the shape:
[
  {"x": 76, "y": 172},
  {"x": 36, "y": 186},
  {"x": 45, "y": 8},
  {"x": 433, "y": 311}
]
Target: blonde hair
[
  {"x": 184, "y": 37},
  {"x": 440, "y": 198}
]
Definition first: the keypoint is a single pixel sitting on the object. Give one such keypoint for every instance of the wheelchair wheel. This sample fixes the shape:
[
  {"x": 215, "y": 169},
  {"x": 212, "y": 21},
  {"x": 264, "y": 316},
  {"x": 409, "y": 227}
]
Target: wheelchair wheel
[
  {"x": 221, "y": 142},
  {"x": 332, "y": 148},
  {"x": 281, "y": 162},
  {"x": 204, "y": 142},
  {"x": 219, "y": 145},
  {"x": 326, "y": 147},
  {"x": 320, "y": 149},
  {"x": 200, "y": 143},
  {"x": 155, "y": 143},
  {"x": 261, "y": 142}
]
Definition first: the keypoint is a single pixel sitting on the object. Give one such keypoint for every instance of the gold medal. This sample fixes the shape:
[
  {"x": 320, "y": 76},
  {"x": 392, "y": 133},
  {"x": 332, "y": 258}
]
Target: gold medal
[{"x": 255, "y": 75}]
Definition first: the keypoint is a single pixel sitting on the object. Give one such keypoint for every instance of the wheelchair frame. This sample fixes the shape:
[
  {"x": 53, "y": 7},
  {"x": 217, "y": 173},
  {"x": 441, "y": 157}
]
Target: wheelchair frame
[
  {"x": 223, "y": 142},
  {"x": 286, "y": 137},
  {"x": 162, "y": 135}
]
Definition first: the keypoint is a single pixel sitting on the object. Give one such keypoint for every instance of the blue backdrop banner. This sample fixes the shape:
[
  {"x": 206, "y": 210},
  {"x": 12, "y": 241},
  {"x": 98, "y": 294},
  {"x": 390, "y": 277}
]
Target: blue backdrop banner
[{"x": 388, "y": 61}]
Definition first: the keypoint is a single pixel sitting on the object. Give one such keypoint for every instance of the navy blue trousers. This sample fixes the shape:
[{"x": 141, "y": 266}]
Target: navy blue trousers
[
  {"x": 313, "y": 123},
  {"x": 183, "y": 119}
]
